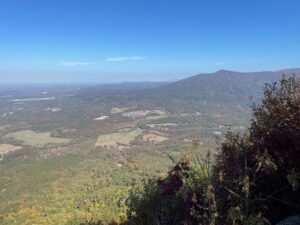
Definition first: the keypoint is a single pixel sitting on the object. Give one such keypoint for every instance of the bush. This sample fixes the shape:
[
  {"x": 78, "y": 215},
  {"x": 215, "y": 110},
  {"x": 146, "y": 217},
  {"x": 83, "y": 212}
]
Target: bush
[
  {"x": 185, "y": 196},
  {"x": 258, "y": 174}
]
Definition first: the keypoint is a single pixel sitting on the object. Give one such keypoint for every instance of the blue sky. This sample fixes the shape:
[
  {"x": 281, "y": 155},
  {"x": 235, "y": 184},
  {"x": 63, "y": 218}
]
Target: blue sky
[{"x": 137, "y": 40}]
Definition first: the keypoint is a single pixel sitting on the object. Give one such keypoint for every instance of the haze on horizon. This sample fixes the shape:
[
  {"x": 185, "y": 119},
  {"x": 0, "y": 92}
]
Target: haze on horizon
[{"x": 113, "y": 41}]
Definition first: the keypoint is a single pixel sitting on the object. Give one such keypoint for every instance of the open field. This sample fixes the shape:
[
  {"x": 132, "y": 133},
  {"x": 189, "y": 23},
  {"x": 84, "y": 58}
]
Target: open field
[
  {"x": 154, "y": 137},
  {"x": 32, "y": 138},
  {"x": 5, "y": 148},
  {"x": 118, "y": 110},
  {"x": 118, "y": 140},
  {"x": 53, "y": 109},
  {"x": 152, "y": 125},
  {"x": 143, "y": 113},
  {"x": 101, "y": 118},
  {"x": 156, "y": 117},
  {"x": 33, "y": 99}
]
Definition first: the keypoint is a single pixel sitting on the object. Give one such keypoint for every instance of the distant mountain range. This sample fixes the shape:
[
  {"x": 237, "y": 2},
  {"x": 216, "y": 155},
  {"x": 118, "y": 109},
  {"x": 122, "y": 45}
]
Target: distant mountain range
[
  {"x": 223, "y": 89},
  {"x": 223, "y": 85}
]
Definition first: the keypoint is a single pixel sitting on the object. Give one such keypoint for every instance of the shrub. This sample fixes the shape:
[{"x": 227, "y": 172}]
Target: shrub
[{"x": 258, "y": 174}]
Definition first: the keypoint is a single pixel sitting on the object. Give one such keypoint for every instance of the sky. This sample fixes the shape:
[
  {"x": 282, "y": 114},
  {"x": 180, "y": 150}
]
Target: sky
[{"x": 108, "y": 41}]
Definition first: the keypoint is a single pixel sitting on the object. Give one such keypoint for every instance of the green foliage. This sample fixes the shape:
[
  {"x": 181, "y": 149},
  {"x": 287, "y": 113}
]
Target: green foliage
[{"x": 257, "y": 174}]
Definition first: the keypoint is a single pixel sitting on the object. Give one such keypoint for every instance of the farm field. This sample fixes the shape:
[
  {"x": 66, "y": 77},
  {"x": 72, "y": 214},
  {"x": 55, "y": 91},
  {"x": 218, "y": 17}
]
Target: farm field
[
  {"x": 120, "y": 139},
  {"x": 143, "y": 113},
  {"x": 6, "y": 148},
  {"x": 32, "y": 138}
]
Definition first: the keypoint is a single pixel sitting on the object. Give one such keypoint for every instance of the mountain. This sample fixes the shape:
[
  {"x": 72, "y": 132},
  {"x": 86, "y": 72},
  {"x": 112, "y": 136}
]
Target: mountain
[
  {"x": 224, "y": 85},
  {"x": 223, "y": 89}
]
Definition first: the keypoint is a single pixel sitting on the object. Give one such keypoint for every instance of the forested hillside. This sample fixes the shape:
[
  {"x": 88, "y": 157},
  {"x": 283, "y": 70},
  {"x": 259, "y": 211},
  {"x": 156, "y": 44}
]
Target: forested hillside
[{"x": 222, "y": 90}]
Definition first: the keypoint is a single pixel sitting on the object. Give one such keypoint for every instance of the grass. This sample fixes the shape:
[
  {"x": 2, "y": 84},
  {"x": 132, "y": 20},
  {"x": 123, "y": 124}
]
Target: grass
[
  {"x": 118, "y": 139},
  {"x": 156, "y": 117},
  {"x": 162, "y": 124},
  {"x": 32, "y": 138},
  {"x": 144, "y": 113}
]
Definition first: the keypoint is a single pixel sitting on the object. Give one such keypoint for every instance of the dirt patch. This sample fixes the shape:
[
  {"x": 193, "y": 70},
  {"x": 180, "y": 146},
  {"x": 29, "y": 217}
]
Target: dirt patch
[
  {"x": 152, "y": 125},
  {"x": 118, "y": 110},
  {"x": 53, "y": 109},
  {"x": 5, "y": 148},
  {"x": 154, "y": 137},
  {"x": 144, "y": 113},
  {"x": 101, "y": 118}
]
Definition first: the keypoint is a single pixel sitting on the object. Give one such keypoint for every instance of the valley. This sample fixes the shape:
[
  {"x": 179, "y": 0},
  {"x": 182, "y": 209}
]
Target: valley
[{"x": 73, "y": 153}]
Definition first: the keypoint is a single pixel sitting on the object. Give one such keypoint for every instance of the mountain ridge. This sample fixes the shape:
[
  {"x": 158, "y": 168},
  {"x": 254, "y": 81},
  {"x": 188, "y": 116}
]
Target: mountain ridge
[{"x": 223, "y": 89}]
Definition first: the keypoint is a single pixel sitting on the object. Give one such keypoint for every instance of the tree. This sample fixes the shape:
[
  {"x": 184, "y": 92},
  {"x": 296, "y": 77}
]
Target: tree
[{"x": 258, "y": 174}]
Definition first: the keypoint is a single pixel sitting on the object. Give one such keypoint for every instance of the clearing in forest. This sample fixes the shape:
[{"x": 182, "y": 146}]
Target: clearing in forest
[
  {"x": 144, "y": 113},
  {"x": 53, "y": 109},
  {"x": 154, "y": 137},
  {"x": 5, "y": 148},
  {"x": 118, "y": 140},
  {"x": 118, "y": 110},
  {"x": 152, "y": 125},
  {"x": 101, "y": 118},
  {"x": 32, "y": 138}
]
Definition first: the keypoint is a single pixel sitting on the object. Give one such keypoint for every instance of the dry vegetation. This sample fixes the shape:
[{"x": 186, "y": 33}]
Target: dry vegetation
[
  {"x": 153, "y": 125},
  {"x": 118, "y": 110},
  {"x": 101, "y": 118},
  {"x": 143, "y": 113},
  {"x": 53, "y": 109},
  {"x": 154, "y": 137},
  {"x": 118, "y": 140},
  {"x": 6, "y": 148}
]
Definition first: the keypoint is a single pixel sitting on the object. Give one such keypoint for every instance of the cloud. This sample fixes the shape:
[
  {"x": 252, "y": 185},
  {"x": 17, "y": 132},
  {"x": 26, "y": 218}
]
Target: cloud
[
  {"x": 220, "y": 63},
  {"x": 72, "y": 63},
  {"x": 125, "y": 58}
]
